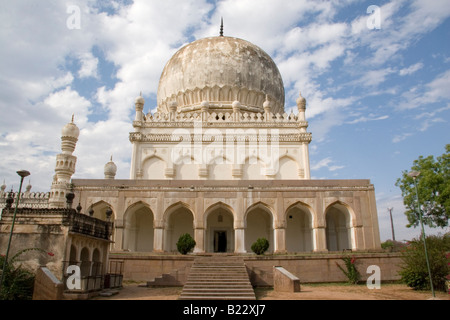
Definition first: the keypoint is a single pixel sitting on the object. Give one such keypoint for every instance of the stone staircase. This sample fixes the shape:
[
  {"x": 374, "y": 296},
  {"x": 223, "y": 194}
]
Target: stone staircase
[{"x": 218, "y": 278}]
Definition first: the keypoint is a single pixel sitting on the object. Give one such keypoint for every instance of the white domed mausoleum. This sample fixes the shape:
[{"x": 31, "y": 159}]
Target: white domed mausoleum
[{"x": 221, "y": 160}]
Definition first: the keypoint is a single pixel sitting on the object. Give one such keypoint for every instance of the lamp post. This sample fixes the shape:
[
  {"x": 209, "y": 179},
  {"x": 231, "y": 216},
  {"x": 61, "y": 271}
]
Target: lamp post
[
  {"x": 22, "y": 174},
  {"x": 414, "y": 175},
  {"x": 392, "y": 224}
]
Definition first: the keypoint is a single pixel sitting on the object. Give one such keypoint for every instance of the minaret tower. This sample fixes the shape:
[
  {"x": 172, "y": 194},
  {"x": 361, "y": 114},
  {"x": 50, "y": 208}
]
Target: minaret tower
[
  {"x": 110, "y": 170},
  {"x": 65, "y": 166}
]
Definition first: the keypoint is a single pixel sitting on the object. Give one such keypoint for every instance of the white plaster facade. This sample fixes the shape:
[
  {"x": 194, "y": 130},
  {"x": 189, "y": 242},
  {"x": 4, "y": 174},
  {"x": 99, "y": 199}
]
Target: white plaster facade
[
  {"x": 294, "y": 215},
  {"x": 221, "y": 160}
]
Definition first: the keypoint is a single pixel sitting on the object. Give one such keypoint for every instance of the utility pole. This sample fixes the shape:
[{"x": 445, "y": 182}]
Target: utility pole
[{"x": 392, "y": 224}]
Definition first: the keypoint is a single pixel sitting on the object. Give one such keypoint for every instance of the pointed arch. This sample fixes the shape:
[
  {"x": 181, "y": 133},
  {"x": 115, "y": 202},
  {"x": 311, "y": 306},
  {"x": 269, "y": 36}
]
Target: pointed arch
[
  {"x": 216, "y": 206},
  {"x": 299, "y": 228},
  {"x": 178, "y": 220},
  {"x": 287, "y": 168},
  {"x": 73, "y": 254},
  {"x": 85, "y": 262},
  {"x": 254, "y": 168},
  {"x": 262, "y": 205},
  {"x": 174, "y": 206},
  {"x": 259, "y": 222},
  {"x": 99, "y": 208},
  {"x": 138, "y": 228},
  {"x": 219, "y": 225},
  {"x": 154, "y": 167},
  {"x": 338, "y": 222},
  {"x": 220, "y": 168}
]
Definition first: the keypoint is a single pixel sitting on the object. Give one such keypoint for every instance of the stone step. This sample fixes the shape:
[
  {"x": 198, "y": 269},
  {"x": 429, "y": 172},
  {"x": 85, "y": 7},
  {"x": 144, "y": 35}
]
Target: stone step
[
  {"x": 218, "y": 294},
  {"x": 219, "y": 267},
  {"x": 214, "y": 274},
  {"x": 218, "y": 278},
  {"x": 217, "y": 298},
  {"x": 217, "y": 290},
  {"x": 226, "y": 286},
  {"x": 217, "y": 283}
]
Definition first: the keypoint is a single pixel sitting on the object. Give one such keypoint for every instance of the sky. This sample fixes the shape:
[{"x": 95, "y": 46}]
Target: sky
[{"x": 375, "y": 74}]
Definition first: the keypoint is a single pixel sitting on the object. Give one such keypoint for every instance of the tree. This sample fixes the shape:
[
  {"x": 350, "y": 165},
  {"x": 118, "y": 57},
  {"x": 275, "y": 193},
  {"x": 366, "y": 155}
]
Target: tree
[{"x": 433, "y": 186}]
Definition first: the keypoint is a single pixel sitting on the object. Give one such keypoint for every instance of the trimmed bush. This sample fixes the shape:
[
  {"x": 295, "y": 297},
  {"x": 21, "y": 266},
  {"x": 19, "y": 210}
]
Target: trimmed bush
[
  {"x": 185, "y": 243},
  {"x": 260, "y": 246},
  {"x": 414, "y": 271}
]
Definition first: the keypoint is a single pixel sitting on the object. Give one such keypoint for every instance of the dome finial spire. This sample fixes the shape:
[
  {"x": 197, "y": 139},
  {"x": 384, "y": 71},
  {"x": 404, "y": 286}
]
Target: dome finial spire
[{"x": 221, "y": 27}]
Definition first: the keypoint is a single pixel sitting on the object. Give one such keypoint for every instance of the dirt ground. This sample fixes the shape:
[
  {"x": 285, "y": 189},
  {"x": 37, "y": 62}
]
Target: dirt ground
[{"x": 132, "y": 291}]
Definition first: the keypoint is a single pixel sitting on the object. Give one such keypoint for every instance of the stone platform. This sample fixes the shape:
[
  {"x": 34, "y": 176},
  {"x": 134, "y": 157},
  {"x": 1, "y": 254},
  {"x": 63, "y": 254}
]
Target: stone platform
[{"x": 309, "y": 268}]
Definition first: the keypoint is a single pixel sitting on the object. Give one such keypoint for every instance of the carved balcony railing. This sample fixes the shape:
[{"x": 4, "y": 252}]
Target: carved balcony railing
[{"x": 76, "y": 222}]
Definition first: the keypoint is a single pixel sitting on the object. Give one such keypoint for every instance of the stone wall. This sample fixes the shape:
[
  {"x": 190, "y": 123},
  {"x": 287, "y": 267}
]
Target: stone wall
[
  {"x": 47, "y": 286},
  {"x": 315, "y": 268},
  {"x": 320, "y": 268},
  {"x": 142, "y": 268}
]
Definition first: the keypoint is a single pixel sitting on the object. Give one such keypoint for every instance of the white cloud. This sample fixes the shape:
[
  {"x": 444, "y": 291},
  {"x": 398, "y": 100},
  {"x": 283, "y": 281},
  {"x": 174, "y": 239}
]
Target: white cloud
[
  {"x": 367, "y": 119},
  {"x": 374, "y": 78},
  {"x": 67, "y": 102},
  {"x": 89, "y": 65},
  {"x": 411, "y": 69},
  {"x": 400, "y": 137},
  {"x": 326, "y": 163},
  {"x": 305, "y": 38},
  {"x": 432, "y": 92}
]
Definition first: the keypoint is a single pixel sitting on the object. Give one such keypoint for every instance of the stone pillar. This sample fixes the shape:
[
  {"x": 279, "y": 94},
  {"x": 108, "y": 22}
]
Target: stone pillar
[
  {"x": 320, "y": 239},
  {"x": 118, "y": 235},
  {"x": 204, "y": 108},
  {"x": 173, "y": 110},
  {"x": 139, "y": 106},
  {"x": 357, "y": 238},
  {"x": 199, "y": 237},
  {"x": 239, "y": 240},
  {"x": 305, "y": 155},
  {"x": 158, "y": 239},
  {"x": 267, "y": 109},
  {"x": 280, "y": 240},
  {"x": 236, "y": 105}
]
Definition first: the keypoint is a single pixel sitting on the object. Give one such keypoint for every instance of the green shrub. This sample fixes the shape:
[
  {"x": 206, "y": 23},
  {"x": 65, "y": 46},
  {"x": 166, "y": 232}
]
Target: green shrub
[
  {"x": 18, "y": 282},
  {"x": 350, "y": 271},
  {"x": 414, "y": 271},
  {"x": 185, "y": 243},
  {"x": 392, "y": 246},
  {"x": 260, "y": 246}
]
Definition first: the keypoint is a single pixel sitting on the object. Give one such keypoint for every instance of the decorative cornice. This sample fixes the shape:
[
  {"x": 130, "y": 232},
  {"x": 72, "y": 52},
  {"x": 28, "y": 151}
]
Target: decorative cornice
[
  {"x": 208, "y": 138},
  {"x": 206, "y": 124}
]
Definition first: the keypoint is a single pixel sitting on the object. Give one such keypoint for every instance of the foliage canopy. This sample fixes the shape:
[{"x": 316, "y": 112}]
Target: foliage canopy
[{"x": 433, "y": 188}]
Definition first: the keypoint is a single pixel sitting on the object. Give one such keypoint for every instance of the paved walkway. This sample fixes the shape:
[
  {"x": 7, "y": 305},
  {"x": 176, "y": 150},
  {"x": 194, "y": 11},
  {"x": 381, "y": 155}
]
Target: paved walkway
[{"x": 309, "y": 292}]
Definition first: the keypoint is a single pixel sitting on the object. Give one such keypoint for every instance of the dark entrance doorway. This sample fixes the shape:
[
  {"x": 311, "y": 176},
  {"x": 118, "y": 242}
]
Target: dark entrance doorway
[{"x": 220, "y": 241}]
